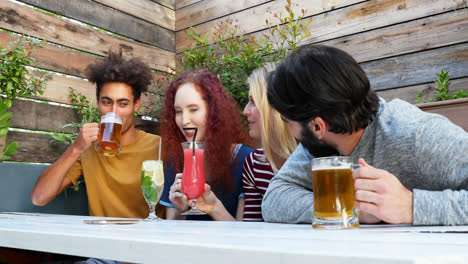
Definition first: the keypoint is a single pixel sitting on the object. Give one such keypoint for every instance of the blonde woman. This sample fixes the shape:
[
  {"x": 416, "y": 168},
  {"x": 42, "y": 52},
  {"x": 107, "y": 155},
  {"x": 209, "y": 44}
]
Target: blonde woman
[{"x": 267, "y": 127}]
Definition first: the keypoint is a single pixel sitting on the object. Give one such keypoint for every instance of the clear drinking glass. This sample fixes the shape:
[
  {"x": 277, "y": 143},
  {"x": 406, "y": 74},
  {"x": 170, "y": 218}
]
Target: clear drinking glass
[
  {"x": 152, "y": 185},
  {"x": 193, "y": 176},
  {"x": 333, "y": 186},
  {"x": 110, "y": 129}
]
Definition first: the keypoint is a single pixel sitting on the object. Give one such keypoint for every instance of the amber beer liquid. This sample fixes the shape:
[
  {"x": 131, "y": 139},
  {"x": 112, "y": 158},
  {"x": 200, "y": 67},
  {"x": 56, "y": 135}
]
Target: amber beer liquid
[
  {"x": 334, "y": 190},
  {"x": 110, "y": 130},
  {"x": 333, "y": 187}
]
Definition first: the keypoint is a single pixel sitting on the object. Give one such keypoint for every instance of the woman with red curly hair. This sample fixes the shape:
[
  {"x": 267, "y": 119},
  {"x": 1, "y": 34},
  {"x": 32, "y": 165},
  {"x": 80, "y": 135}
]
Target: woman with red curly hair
[{"x": 197, "y": 99}]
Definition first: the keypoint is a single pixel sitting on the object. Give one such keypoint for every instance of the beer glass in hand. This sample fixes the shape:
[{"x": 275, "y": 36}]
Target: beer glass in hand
[
  {"x": 333, "y": 193},
  {"x": 193, "y": 177},
  {"x": 110, "y": 129}
]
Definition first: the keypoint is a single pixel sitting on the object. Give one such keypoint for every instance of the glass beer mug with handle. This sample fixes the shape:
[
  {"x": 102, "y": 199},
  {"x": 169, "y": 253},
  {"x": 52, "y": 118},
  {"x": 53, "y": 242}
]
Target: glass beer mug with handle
[
  {"x": 333, "y": 187},
  {"x": 110, "y": 129}
]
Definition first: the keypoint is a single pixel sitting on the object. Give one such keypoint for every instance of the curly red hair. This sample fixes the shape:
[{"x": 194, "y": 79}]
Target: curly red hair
[{"x": 224, "y": 127}]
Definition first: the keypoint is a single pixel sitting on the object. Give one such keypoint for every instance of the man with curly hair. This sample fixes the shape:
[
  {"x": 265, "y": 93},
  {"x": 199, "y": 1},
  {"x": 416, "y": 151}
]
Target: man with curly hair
[{"x": 113, "y": 183}]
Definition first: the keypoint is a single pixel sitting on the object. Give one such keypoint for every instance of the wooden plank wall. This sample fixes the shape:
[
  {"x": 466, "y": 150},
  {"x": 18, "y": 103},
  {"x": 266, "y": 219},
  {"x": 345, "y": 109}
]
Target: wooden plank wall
[
  {"x": 401, "y": 44},
  {"x": 141, "y": 28}
]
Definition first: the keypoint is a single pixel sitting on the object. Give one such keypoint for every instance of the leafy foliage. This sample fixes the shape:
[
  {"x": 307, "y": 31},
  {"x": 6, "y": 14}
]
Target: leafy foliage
[
  {"x": 232, "y": 56},
  {"x": 442, "y": 86},
  {"x": 459, "y": 94},
  {"x": 88, "y": 112},
  {"x": 441, "y": 90},
  {"x": 16, "y": 82},
  {"x": 10, "y": 149},
  {"x": 14, "y": 79},
  {"x": 160, "y": 86},
  {"x": 229, "y": 54},
  {"x": 150, "y": 193}
]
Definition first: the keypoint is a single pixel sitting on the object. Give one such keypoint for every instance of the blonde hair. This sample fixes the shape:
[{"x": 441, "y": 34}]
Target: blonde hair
[{"x": 278, "y": 141}]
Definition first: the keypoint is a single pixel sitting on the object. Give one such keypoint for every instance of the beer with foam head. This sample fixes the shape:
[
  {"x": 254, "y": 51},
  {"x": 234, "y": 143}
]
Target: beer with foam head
[
  {"x": 333, "y": 187},
  {"x": 110, "y": 130}
]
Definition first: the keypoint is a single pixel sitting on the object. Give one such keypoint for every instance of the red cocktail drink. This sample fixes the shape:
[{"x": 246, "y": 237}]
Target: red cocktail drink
[{"x": 193, "y": 177}]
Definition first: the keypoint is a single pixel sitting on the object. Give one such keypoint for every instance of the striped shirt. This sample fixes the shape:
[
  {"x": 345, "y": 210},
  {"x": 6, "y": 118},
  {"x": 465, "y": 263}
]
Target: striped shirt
[{"x": 256, "y": 176}]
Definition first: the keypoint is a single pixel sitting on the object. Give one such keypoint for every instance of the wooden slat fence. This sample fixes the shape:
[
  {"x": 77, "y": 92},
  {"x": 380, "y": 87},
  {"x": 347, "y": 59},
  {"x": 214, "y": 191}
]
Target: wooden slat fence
[
  {"x": 152, "y": 12},
  {"x": 401, "y": 44},
  {"x": 142, "y": 28},
  {"x": 112, "y": 20},
  {"x": 183, "y": 3}
]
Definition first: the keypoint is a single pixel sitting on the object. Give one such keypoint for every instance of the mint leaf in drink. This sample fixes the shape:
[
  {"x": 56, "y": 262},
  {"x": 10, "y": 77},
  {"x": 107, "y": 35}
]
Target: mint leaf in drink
[
  {"x": 150, "y": 194},
  {"x": 146, "y": 181}
]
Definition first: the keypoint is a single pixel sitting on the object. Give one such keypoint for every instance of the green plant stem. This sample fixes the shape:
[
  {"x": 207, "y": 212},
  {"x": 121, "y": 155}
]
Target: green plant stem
[{"x": 14, "y": 83}]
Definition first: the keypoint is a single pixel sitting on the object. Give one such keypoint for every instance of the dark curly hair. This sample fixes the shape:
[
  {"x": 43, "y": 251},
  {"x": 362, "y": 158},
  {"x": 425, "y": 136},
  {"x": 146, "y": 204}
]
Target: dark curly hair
[
  {"x": 115, "y": 68},
  {"x": 223, "y": 123},
  {"x": 318, "y": 80}
]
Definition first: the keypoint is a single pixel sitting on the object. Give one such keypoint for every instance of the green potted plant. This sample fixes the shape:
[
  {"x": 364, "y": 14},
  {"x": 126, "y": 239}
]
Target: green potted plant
[
  {"x": 16, "y": 82},
  {"x": 440, "y": 100}
]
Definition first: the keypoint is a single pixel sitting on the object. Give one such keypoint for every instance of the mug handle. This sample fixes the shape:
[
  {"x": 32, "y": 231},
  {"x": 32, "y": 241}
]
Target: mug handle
[{"x": 355, "y": 167}]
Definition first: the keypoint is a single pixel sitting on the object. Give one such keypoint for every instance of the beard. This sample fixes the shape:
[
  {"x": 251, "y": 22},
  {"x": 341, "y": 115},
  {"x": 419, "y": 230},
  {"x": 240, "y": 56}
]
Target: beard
[{"x": 315, "y": 146}]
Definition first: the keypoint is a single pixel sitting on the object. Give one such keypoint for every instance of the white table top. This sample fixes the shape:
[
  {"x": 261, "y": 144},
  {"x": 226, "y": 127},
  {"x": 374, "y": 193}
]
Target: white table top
[{"x": 232, "y": 242}]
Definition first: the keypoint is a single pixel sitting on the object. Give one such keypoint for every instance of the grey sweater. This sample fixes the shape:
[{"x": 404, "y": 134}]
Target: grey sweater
[{"x": 426, "y": 152}]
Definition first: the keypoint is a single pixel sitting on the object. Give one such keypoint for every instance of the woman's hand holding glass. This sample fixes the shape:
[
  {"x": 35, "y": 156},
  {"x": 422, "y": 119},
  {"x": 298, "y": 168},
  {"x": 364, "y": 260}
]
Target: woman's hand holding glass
[
  {"x": 177, "y": 196},
  {"x": 207, "y": 202},
  {"x": 210, "y": 204}
]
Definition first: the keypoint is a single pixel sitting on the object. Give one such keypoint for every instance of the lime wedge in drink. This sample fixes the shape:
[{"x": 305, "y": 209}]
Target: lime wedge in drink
[
  {"x": 154, "y": 170},
  {"x": 152, "y": 180}
]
